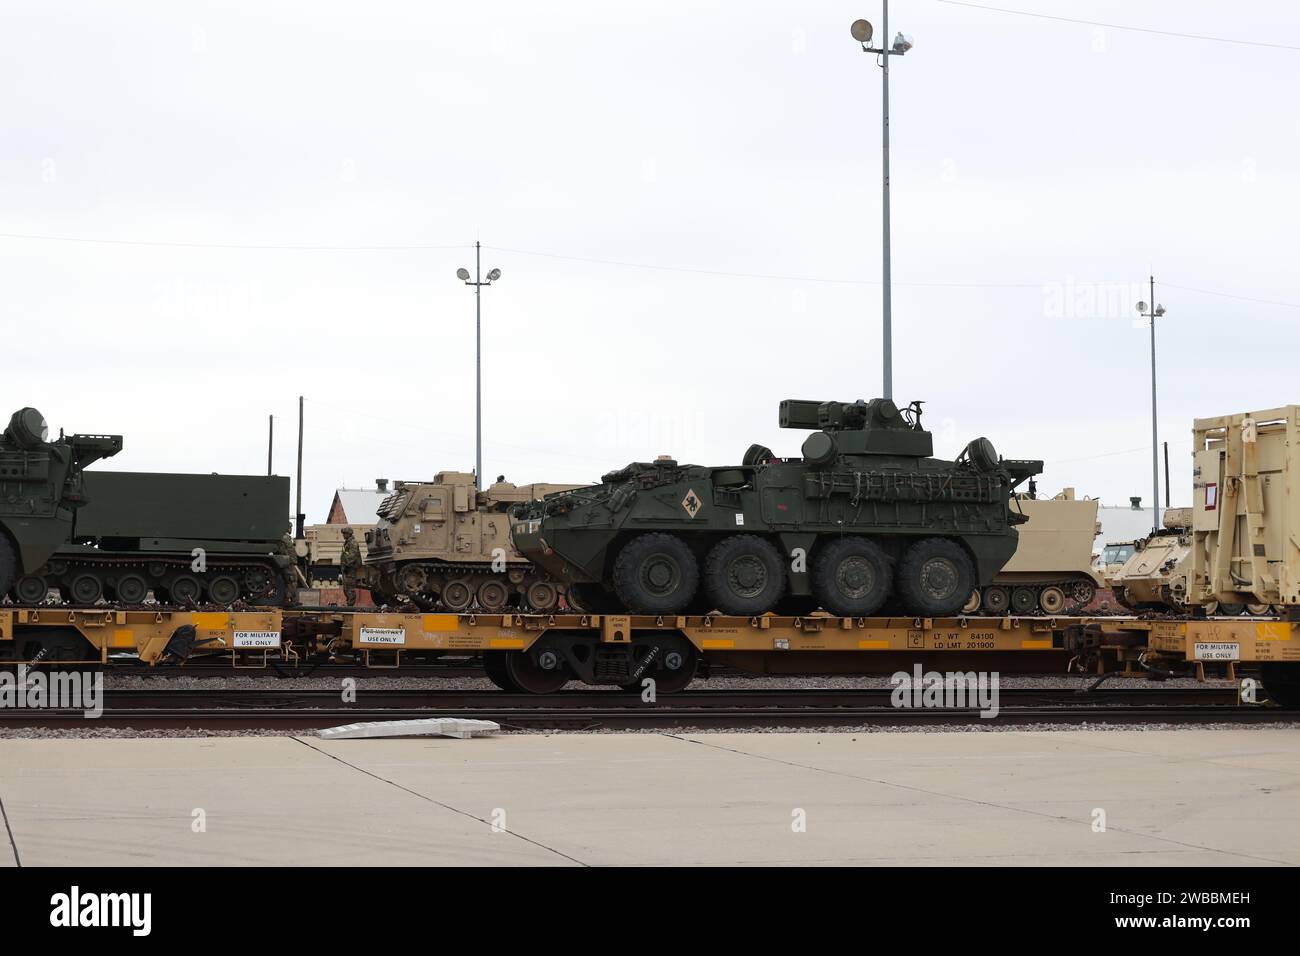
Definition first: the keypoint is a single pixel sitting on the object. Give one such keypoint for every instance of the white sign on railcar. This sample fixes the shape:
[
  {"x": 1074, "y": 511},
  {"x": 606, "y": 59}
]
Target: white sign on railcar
[
  {"x": 257, "y": 638},
  {"x": 1216, "y": 652},
  {"x": 383, "y": 635}
]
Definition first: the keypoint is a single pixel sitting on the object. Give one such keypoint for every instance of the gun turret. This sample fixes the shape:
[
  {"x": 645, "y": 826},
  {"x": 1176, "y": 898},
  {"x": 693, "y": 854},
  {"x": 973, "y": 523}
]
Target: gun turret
[{"x": 876, "y": 427}]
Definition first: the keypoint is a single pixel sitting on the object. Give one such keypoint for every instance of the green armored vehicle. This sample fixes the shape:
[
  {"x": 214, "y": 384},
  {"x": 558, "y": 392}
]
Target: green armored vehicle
[
  {"x": 121, "y": 536},
  {"x": 865, "y": 522}
]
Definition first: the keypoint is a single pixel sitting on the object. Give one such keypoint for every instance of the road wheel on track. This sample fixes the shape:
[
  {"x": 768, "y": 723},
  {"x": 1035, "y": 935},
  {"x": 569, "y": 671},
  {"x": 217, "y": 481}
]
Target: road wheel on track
[
  {"x": 1024, "y": 600},
  {"x": 85, "y": 588},
  {"x": 223, "y": 589},
  {"x": 131, "y": 588},
  {"x": 935, "y": 577},
  {"x": 493, "y": 595},
  {"x": 973, "y": 602},
  {"x": 532, "y": 677},
  {"x": 494, "y": 665},
  {"x": 457, "y": 595},
  {"x": 1082, "y": 593},
  {"x": 31, "y": 589},
  {"x": 744, "y": 574},
  {"x": 656, "y": 574},
  {"x": 851, "y": 576},
  {"x": 1231, "y": 609},
  {"x": 996, "y": 600},
  {"x": 1259, "y": 610},
  {"x": 1052, "y": 600},
  {"x": 542, "y": 596},
  {"x": 8, "y": 565},
  {"x": 185, "y": 589}
]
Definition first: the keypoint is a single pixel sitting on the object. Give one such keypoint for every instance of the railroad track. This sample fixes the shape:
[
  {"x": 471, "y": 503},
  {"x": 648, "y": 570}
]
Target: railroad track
[{"x": 609, "y": 710}]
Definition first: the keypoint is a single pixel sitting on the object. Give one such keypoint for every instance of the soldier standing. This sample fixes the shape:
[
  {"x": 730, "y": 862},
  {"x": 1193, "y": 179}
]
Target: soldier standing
[
  {"x": 349, "y": 563},
  {"x": 292, "y": 575}
]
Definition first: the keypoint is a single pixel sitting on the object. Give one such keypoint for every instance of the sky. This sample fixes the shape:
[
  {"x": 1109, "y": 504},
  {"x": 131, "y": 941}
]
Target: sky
[{"x": 208, "y": 210}]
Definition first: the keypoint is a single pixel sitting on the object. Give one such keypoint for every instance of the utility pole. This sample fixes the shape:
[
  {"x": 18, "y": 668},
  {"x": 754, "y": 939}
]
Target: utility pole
[
  {"x": 270, "y": 442},
  {"x": 862, "y": 32},
  {"x": 478, "y": 284},
  {"x": 1155, "y": 312},
  {"x": 299, "y": 516}
]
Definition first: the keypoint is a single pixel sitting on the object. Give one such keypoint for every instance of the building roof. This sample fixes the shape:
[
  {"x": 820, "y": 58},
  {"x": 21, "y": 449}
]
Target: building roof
[{"x": 355, "y": 505}]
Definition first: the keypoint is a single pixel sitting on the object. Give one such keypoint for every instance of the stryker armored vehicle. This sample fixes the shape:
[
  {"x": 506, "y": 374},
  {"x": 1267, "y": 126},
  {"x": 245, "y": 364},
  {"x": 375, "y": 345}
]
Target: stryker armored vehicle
[
  {"x": 445, "y": 546},
  {"x": 188, "y": 539},
  {"x": 866, "y": 521},
  {"x": 1051, "y": 571}
]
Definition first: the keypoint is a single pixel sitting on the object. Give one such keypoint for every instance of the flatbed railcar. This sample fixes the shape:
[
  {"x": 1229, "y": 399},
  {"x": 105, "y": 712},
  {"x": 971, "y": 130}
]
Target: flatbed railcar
[{"x": 539, "y": 653}]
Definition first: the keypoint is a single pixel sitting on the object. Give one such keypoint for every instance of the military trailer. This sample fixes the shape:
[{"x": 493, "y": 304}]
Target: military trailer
[
  {"x": 1246, "y": 509},
  {"x": 866, "y": 521},
  {"x": 1051, "y": 571},
  {"x": 443, "y": 545}
]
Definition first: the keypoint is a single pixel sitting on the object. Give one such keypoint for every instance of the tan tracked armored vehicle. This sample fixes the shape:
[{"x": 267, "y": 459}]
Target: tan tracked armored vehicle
[
  {"x": 444, "y": 546},
  {"x": 1155, "y": 575},
  {"x": 323, "y": 549},
  {"x": 1051, "y": 570}
]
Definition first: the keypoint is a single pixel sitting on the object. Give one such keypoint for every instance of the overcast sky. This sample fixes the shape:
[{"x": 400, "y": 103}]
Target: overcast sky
[{"x": 684, "y": 200}]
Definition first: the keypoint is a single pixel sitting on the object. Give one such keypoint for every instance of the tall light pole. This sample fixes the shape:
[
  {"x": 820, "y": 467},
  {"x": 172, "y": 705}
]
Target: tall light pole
[
  {"x": 1152, "y": 313},
  {"x": 478, "y": 284},
  {"x": 862, "y": 32}
]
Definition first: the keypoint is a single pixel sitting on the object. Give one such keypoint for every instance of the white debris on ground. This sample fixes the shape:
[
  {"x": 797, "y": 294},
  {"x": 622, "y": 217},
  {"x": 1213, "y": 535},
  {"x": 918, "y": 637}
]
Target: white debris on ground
[{"x": 460, "y": 727}]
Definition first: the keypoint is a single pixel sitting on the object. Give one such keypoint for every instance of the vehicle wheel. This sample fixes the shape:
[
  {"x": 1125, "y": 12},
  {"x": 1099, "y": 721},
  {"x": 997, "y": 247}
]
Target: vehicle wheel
[
  {"x": 1083, "y": 592},
  {"x": 676, "y": 669},
  {"x": 31, "y": 589},
  {"x": 8, "y": 565},
  {"x": 223, "y": 589},
  {"x": 1024, "y": 600},
  {"x": 85, "y": 588},
  {"x": 851, "y": 576},
  {"x": 589, "y": 598},
  {"x": 131, "y": 589},
  {"x": 185, "y": 589},
  {"x": 973, "y": 602},
  {"x": 457, "y": 595},
  {"x": 996, "y": 600},
  {"x": 744, "y": 574},
  {"x": 494, "y": 665},
  {"x": 493, "y": 595},
  {"x": 1282, "y": 681},
  {"x": 656, "y": 574},
  {"x": 412, "y": 579},
  {"x": 1231, "y": 609},
  {"x": 1259, "y": 610},
  {"x": 1052, "y": 600},
  {"x": 532, "y": 677},
  {"x": 542, "y": 596},
  {"x": 935, "y": 577}
]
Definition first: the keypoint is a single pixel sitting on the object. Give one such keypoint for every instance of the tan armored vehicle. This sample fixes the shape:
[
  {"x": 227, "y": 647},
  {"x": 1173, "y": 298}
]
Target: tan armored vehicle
[
  {"x": 1155, "y": 575},
  {"x": 1246, "y": 510},
  {"x": 1052, "y": 567},
  {"x": 444, "y": 546}
]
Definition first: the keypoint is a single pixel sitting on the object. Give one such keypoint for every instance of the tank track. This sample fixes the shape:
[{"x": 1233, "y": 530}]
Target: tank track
[
  {"x": 1079, "y": 592},
  {"x": 411, "y": 581},
  {"x": 128, "y": 580}
]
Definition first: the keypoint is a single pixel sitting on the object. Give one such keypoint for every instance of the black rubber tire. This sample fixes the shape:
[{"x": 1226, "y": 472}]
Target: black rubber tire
[
  {"x": 996, "y": 601},
  {"x": 829, "y": 585},
  {"x": 85, "y": 588},
  {"x": 1024, "y": 600},
  {"x": 935, "y": 578},
  {"x": 223, "y": 589},
  {"x": 8, "y": 565},
  {"x": 653, "y": 553},
  {"x": 744, "y": 554},
  {"x": 1282, "y": 681},
  {"x": 1231, "y": 609},
  {"x": 31, "y": 589},
  {"x": 131, "y": 589}
]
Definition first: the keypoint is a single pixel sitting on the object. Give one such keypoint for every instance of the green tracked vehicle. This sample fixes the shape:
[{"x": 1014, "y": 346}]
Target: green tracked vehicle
[{"x": 865, "y": 522}]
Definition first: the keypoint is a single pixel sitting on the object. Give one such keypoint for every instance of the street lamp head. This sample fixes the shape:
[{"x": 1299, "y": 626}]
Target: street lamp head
[
  {"x": 861, "y": 31},
  {"x": 902, "y": 43},
  {"x": 1142, "y": 308},
  {"x": 1160, "y": 310},
  {"x": 462, "y": 274},
  {"x": 494, "y": 275}
]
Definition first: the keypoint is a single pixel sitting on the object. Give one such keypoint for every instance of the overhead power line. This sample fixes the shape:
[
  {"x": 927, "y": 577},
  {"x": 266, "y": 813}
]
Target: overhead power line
[
  {"x": 1120, "y": 26},
  {"x": 227, "y": 245}
]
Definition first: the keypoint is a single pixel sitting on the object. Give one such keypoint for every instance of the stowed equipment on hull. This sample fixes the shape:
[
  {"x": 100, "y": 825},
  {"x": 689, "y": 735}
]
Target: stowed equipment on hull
[{"x": 866, "y": 521}]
